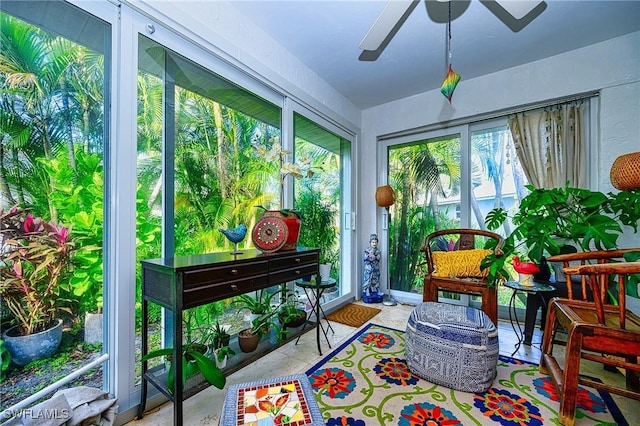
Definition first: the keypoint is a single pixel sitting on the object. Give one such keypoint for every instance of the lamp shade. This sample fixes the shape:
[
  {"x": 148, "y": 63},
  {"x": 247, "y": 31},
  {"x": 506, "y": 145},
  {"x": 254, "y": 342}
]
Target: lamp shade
[
  {"x": 625, "y": 172},
  {"x": 385, "y": 196}
]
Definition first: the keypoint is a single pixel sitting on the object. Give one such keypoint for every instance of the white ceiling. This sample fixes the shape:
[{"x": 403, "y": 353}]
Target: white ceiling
[{"x": 325, "y": 35}]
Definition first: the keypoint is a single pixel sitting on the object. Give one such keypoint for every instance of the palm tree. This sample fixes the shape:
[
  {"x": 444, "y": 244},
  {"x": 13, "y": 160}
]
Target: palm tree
[{"x": 37, "y": 102}]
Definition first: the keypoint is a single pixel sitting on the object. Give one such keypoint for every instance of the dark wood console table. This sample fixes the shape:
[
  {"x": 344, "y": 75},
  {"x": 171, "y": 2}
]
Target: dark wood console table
[{"x": 185, "y": 282}]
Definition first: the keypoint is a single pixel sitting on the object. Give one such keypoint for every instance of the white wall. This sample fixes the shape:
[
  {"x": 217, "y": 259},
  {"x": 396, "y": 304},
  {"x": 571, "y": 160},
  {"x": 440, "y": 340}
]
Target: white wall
[{"x": 612, "y": 67}]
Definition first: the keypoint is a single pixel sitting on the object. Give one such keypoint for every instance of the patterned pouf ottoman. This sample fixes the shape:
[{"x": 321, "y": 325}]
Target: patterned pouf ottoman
[{"x": 453, "y": 346}]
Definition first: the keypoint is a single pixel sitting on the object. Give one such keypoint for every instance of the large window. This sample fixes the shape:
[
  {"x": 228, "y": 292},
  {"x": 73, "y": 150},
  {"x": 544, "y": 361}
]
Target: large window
[
  {"x": 54, "y": 125},
  {"x": 198, "y": 169}
]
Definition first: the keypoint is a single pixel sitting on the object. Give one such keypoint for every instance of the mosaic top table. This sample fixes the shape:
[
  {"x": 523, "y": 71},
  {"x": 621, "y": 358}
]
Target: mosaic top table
[{"x": 283, "y": 400}]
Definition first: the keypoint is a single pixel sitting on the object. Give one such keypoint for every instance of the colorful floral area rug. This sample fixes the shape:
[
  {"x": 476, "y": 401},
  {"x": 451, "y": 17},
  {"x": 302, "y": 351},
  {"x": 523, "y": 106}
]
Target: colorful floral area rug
[{"x": 366, "y": 381}]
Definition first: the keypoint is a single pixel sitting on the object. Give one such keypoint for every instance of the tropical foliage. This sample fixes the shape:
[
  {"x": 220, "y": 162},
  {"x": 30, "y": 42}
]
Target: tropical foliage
[
  {"x": 34, "y": 269},
  {"x": 53, "y": 146}
]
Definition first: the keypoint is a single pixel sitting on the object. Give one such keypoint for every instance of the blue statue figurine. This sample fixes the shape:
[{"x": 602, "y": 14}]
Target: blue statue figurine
[{"x": 371, "y": 289}]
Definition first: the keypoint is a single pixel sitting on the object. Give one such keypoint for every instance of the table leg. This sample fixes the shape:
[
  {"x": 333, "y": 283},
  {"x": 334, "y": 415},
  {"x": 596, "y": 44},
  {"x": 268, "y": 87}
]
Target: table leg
[
  {"x": 316, "y": 309},
  {"x": 533, "y": 303},
  {"x": 513, "y": 318},
  {"x": 318, "y": 324}
]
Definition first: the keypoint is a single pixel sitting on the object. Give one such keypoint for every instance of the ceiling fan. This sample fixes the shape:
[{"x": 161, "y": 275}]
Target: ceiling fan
[{"x": 516, "y": 14}]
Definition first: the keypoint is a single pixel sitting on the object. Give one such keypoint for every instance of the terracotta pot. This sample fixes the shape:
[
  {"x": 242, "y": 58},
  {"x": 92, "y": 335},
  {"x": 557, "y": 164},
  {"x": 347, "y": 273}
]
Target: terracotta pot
[{"x": 248, "y": 342}]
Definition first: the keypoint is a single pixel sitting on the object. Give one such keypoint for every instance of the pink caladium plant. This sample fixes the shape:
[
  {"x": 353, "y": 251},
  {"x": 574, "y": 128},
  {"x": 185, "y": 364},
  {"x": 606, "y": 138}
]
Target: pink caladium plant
[{"x": 34, "y": 267}]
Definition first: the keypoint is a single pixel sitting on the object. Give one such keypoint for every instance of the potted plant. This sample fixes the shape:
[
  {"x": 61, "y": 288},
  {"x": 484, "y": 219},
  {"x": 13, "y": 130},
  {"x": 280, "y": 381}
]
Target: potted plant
[
  {"x": 220, "y": 335},
  {"x": 221, "y": 354},
  {"x": 562, "y": 220},
  {"x": 259, "y": 304},
  {"x": 264, "y": 319},
  {"x": 33, "y": 272},
  {"x": 249, "y": 338},
  {"x": 220, "y": 338},
  {"x": 194, "y": 361},
  {"x": 298, "y": 170},
  {"x": 291, "y": 314}
]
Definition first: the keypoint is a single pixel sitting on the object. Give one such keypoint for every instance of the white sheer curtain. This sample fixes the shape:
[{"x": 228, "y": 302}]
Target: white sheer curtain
[{"x": 550, "y": 145}]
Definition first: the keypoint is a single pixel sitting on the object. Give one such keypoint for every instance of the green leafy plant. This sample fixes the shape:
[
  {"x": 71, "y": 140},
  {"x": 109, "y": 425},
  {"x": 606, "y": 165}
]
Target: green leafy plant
[
  {"x": 290, "y": 310},
  {"x": 194, "y": 361},
  {"x": 319, "y": 229},
  {"x": 222, "y": 352},
  {"x": 561, "y": 220},
  {"x": 259, "y": 304},
  {"x": 35, "y": 269},
  {"x": 5, "y": 359},
  {"x": 219, "y": 335},
  {"x": 78, "y": 200}
]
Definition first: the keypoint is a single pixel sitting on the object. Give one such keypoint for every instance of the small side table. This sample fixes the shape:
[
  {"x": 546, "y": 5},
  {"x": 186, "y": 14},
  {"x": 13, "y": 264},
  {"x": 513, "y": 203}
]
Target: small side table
[
  {"x": 314, "y": 291},
  {"x": 536, "y": 290}
]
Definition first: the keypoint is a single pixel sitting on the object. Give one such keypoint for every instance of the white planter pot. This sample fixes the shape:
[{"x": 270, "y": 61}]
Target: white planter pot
[
  {"x": 526, "y": 280},
  {"x": 221, "y": 364},
  {"x": 325, "y": 271}
]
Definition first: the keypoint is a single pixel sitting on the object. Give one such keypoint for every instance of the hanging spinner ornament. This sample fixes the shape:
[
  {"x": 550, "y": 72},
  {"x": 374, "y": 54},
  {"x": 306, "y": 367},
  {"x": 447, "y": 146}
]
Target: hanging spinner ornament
[{"x": 452, "y": 78}]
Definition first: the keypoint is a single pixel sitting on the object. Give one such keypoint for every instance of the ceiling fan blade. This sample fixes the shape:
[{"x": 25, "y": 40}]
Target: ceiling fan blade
[
  {"x": 518, "y": 9},
  {"x": 388, "y": 19}
]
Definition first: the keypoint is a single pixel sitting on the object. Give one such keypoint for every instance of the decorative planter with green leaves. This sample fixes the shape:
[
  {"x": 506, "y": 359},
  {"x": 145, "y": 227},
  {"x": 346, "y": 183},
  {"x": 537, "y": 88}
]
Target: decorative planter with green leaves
[{"x": 562, "y": 220}]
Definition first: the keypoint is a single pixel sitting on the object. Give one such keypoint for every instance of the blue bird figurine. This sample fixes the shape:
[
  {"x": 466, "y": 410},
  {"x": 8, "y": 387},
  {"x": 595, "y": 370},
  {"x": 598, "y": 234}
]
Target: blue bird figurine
[{"x": 235, "y": 235}]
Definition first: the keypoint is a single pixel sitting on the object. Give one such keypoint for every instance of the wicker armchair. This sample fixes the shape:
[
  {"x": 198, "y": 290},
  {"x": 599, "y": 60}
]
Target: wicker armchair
[{"x": 453, "y": 260}]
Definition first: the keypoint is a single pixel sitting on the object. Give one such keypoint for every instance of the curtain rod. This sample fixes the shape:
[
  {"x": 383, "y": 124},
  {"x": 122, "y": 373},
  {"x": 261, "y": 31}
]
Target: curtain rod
[{"x": 489, "y": 116}]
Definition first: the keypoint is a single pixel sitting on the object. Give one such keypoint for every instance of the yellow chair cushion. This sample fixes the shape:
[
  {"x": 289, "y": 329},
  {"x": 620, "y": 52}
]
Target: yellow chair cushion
[{"x": 459, "y": 263}]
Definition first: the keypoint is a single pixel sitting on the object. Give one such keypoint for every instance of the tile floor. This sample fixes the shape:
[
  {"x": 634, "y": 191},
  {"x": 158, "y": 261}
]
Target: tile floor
[{"x": 205, "y": 407}]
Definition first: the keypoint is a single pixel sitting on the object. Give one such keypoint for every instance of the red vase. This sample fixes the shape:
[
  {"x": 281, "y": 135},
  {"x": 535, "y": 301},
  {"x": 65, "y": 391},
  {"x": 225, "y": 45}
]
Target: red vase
[{"x": 293, "y": 225}]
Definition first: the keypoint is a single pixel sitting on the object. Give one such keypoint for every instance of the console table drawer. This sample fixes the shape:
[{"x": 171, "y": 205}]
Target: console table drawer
[
  {"x": 227, "y": 274},
  {"x": 295, "y": 260},
  {"x": 210, "y": 293},
  {"x": 292, "y": 274}
]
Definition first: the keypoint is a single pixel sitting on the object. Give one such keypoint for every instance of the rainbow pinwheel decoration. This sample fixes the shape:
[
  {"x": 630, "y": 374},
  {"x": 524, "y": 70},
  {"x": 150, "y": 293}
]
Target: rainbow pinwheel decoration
[{"x": 449, "y": 84}]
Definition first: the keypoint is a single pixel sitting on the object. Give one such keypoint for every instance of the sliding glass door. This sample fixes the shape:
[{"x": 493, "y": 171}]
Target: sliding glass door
[
  {"x": 426, "y": 176},
  {"x": 323, "y": 196},
  {"x": 449, "y": 178}
]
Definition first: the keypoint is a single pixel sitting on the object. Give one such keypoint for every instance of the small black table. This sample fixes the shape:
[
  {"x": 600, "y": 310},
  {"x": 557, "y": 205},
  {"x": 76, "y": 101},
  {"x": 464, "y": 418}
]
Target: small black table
[
  {"x": 316, "y": 289},
  {"x": 537, "y": 290}
]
